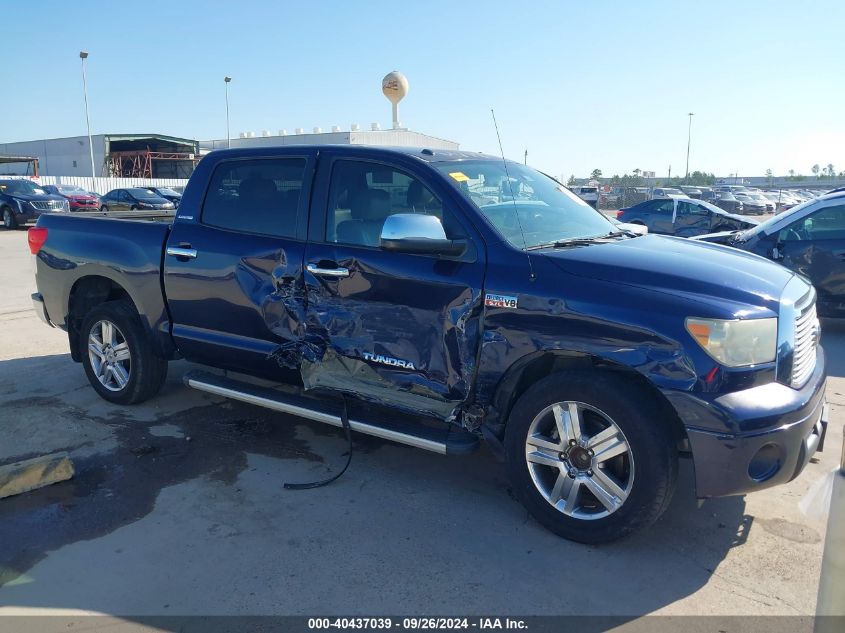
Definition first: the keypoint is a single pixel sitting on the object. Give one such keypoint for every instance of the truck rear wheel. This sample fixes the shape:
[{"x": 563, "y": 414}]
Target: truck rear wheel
[
  {"x": 117, "y": 356},
  {"x": 590, "y": 455}
]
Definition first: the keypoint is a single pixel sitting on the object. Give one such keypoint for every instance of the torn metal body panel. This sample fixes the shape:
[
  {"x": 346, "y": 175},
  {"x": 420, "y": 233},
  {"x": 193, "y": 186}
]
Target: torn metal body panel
[
  {"x": 399, "y": 338},
  {"x": 808, "y": 239}
]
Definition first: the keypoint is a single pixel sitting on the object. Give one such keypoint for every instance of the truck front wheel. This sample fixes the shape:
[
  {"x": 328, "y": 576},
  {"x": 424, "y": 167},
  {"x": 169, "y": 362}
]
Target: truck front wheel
[
  {"x": 117, "y": 356},
  {"x": 590, "y": 455}
]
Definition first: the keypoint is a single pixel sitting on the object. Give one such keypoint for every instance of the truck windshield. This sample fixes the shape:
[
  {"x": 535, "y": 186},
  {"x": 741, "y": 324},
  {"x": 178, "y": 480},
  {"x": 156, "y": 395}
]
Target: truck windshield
[{"x": 524, "y": 202}]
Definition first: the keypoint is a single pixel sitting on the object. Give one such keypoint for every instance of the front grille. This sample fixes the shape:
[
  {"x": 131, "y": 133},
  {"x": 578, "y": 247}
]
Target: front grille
[
  {"x": 48, "y": 205},
  {"x": 806, "y": 341}
]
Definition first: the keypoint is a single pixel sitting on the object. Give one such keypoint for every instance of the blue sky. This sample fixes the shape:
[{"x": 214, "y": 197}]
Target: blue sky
[{"x": 579, "y": 85}]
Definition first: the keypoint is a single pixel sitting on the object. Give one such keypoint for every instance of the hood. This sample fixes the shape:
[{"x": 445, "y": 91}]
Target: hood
[
  {"x": 740, "y": 218},
  {"x": 35, "y": 197},
  {"x": 80, "y": 196},
  {"x": 679, "y": 266},
  {"x": 154, "y": 201}
]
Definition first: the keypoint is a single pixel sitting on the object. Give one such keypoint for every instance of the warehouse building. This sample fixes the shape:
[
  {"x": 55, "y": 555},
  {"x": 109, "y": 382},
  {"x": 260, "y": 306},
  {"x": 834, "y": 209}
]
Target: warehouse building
[
  {"x": 115, "y": 155},
  {"x": 353, "y": 136}
]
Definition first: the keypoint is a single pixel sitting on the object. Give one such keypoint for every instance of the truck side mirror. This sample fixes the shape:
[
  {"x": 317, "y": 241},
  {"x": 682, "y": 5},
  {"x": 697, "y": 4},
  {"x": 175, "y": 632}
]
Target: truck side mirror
[{"x": 418, "y": 233}]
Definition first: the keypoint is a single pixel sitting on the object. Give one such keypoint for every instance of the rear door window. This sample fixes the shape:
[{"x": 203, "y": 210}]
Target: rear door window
[
  {"x": 256, "y": 196},
  {"x": 664, "y": 207}
]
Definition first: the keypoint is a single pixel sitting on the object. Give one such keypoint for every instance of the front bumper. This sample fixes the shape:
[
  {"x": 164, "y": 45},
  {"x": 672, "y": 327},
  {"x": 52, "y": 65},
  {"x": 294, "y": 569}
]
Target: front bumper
[
  {"x": 28, "y": 215},
  {"x": 768, "y": 434}
]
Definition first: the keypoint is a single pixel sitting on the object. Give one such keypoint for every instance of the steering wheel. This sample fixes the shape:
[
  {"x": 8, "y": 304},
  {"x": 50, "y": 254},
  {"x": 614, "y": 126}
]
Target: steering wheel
[{"x": 794, "y": 235}]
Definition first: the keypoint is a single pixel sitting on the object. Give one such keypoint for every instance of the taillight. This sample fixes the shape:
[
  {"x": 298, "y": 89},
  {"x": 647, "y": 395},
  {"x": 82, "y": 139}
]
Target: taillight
[
  {"x": 36, "y": 236},
  {"x": 620, "y": 213}
]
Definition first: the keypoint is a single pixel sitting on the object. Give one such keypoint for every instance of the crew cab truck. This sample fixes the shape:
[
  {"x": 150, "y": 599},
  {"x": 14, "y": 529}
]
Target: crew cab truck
[{"x": 438, "y": 298}]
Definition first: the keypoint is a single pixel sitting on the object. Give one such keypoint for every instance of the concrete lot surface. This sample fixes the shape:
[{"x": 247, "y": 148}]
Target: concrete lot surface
[{"x": 177, "y": 507}]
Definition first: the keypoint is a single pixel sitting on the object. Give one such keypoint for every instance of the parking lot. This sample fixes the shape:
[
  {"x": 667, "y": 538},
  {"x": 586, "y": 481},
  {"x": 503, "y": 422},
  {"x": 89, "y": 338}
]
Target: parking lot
[{"x": 177, "y": 507}]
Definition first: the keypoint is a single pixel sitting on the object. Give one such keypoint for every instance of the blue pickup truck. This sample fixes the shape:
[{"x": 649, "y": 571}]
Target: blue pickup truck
[{"x": 439, "y": 298}]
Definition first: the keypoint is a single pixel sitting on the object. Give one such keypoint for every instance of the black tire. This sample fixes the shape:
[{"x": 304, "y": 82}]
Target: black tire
[
  {"x": 133, "y": 208},
  {"x": 9, "y": 221},
  {"x": 146, "y": 371},
  {"x": 104, "y": 208},
  {"x": 652, "y": 460}
]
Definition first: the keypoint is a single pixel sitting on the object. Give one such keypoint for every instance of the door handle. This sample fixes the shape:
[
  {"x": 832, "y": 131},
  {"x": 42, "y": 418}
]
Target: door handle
[
  {"x": 339, "y": 271},
  {"x": 182, "y": 252}
]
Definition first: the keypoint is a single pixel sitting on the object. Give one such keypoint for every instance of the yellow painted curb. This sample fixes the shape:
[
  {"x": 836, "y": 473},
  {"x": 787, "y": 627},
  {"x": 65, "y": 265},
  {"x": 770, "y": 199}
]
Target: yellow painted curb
[{"x": 34, "y": 473}]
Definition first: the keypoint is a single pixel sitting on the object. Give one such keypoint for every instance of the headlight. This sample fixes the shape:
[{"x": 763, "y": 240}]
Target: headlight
[{"x": 736, "y": 343}]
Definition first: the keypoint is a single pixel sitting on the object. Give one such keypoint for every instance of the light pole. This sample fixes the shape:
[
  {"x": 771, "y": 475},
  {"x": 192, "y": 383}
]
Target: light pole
[
  {"x": 83, "y": 55},
  {"x": 226, "y": 80},
  {"x": 689, "y": 137}
]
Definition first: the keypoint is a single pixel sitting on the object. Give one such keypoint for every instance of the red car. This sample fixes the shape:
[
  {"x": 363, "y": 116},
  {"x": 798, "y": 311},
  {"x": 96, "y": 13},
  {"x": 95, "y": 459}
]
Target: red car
[{"x": 77, "y": 197}]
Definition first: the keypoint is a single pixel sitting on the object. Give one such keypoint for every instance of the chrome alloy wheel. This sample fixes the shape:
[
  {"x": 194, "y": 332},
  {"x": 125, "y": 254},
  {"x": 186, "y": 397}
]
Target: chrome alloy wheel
[
  {"x": 108, "y": 352},
  {"x": 579, "y": 460}
]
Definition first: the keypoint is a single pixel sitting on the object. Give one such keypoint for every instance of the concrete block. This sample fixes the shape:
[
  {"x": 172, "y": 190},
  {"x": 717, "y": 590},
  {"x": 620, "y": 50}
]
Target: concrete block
[{"x": 34, "y": 473}]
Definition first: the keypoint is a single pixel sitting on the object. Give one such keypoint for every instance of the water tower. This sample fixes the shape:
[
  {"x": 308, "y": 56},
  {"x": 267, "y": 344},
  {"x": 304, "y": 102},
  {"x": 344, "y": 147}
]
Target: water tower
[{"x": 395, "y": 87}]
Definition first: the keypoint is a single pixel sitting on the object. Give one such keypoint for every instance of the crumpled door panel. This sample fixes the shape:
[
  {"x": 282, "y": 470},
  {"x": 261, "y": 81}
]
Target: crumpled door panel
[{"x": 403, "y": 341}]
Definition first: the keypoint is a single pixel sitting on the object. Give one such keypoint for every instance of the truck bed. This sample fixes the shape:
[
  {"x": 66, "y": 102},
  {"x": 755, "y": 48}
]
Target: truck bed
[{"x": 124, "y": 248}]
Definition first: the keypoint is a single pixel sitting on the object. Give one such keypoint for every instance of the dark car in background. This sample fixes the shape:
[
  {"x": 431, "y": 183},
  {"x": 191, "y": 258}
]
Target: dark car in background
[
  {"x": 809, "y": 239},
  {"x": 167, "y": 193},
  {"x": 667, "y": 192},
  {"x": 22, "y": 200},
  {"x": 133, "y": 199},
  {"x": 78, "y": 198},
  {"x": 692, "y": 192},
  {"x": 727, "y": 201},
  {"x": 683, "y": 217}
]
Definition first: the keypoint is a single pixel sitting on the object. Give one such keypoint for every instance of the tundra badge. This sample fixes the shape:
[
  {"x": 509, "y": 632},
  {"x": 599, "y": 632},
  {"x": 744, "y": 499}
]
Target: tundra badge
[{"x": 387, "y": 360}]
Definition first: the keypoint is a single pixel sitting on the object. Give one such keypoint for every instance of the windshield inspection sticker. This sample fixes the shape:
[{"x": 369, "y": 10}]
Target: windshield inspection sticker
[
  {"x": 500, "y": 301},
  {"x": 459, "y": 176}
]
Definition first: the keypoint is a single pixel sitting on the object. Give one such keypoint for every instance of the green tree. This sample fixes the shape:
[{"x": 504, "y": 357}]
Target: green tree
[
  {"x": 770, "y": 176},
  {"x": 831, "y": 171},
  {"x": 637, "y": 172},
  {"x": 791, "y": 173},
  {"x": 595, "y": 174},
  {"x": 571, "y": 181},
  {"x": 815, "y": 169}
]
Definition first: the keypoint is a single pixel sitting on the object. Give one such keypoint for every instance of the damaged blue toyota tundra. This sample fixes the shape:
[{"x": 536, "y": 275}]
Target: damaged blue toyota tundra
[{"x": 441, "y": 298}]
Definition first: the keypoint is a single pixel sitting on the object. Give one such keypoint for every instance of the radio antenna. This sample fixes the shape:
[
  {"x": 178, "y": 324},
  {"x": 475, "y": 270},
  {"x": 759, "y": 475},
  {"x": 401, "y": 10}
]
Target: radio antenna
[{"x": 531, "y": 274}]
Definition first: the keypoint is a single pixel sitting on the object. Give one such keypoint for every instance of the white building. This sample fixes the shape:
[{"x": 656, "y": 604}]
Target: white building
[{"x": 392, "y": 138}]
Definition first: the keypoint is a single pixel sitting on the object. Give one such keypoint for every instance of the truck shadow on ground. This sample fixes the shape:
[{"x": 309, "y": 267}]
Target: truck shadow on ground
[{"x": 440, "y": 534}]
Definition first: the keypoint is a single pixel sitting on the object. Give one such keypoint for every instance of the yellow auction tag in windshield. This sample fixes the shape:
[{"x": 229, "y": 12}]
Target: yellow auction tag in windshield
[{"x": 459, "y": 176}]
